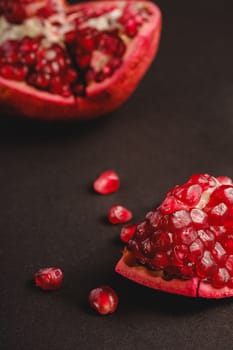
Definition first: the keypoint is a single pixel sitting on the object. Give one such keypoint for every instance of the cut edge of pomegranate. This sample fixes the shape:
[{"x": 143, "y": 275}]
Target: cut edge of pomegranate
[
  {"x": 193, "y": 287},
  {"x": 101, "y": 98},
  {"x": 153, "y": 279}
]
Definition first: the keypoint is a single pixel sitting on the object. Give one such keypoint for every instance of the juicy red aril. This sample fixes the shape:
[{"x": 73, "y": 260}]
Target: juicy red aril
[
  {"x": 180, "y": 219},
  {"x": 103, "y": 299},
  {"x": 108, "y": 182},
  {"x": 206, "y": 266},
  {"x": 199, "y": 217},
  {"x": 49, "y": 278},
  {"x": 119, "y": 215},
  {"x": 127, "y": 232},
  {"x": 83, "y": 45},
  {"x": 190, "y": 234},
  {"x": 220, "y": 278}
]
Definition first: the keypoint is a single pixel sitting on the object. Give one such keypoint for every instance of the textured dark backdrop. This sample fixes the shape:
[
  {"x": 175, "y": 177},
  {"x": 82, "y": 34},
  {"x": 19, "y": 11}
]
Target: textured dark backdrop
[{"x": 179, "y": 121}]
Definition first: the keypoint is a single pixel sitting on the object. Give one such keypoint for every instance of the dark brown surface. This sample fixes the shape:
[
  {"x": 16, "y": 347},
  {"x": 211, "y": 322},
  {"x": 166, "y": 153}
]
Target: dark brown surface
[{"x": 179, "y": 121}]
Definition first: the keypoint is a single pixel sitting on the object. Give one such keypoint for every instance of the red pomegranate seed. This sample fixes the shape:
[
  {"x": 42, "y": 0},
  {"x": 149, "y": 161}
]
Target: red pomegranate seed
[
  {"x": 103, "y": 299},
  {"x": 49, "y": 278},
  {"x": 119, "y": 215},
  {"x": 127, "y": 232},
  {"x": 220, "y": 278},
  {"x": 107, "y": 182},
  {"x": 225, "y": 180}
]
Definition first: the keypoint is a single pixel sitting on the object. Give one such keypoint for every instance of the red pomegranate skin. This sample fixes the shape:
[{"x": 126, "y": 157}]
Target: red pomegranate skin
[
  {"x": 101, "y": 98},
  {"x": 185, "y": 246}
]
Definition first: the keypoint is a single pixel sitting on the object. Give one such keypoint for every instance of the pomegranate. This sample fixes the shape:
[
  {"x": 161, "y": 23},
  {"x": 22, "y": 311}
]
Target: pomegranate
[
  {"x": 49, "y": 278},
  {"x": 185, "y": 246},
  {"x": 119, "y": 215},
  {"x": 108, "y": 182},
  {"x": 103, "y": 299},
  {"x": 59, "y": 61}
]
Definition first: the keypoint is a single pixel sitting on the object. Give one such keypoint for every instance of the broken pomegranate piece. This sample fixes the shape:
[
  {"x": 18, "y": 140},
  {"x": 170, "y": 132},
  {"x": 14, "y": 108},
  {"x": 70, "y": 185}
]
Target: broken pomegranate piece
[
  {"x": 108, "y": 182},
  {"x": 185, "y": 246},
  {"x": 103, "y": 299},
  {"x": 49, "y": 278},
  {"x": 79, "y": 61}
]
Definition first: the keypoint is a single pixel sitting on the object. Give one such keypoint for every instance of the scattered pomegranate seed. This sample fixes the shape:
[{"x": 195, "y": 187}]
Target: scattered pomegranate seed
[
  {"x": 127, "y": 232},
  {"x": 49, "y": 278},
  {"x": 108, "y": 182},
  {"x": 103, "y": 299},
  {"x": 119, "y": 215}
]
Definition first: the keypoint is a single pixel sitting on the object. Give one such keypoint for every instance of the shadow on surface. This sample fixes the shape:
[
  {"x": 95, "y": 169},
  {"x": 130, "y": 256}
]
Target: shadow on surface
[
  {"x": 16, "y": 130},
  {"x": 135, "y": 298}
]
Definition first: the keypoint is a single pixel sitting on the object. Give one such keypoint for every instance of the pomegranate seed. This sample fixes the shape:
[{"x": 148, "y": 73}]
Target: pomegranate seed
[
  {"x": 218, "y": 252},
  {"x": 218, "y": 214},
  {"x": 196, "y": 250},
  {"x": 107, "y": 182},
  {"x": 164, "y": 241},
  {"x": 206, "y": 266},
  {"x": 180, "y": 219},
  {"x": 228, "y": 243},
  {"x": 103, "y": 299},
  {"x": 186, "y": 235},
  {"x": 119, "y": 215},
  {"x": 220, "y": 278},
  {"x": 229, "y": 264},
  {"x": 161, "y": 260},
  {"x": 207, "y": 237},
  {"x": 199, "y": 218},
  {"x": 225, "y": 180},
  {"x": 127, "y": 232},
  {"x": 170, "y": 205},
  {"x": 49, "y": 278}
]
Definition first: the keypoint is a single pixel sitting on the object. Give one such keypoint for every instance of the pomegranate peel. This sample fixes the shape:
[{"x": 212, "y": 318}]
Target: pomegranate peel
[
  {"x": 186, "y": 246},
  {"x": 152, "y": 279},
  {"x": 100, "y": 97}
]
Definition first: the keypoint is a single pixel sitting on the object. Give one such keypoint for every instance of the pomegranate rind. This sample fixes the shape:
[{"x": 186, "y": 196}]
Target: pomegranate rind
[
  {"x": 152, "y": 279},
  {"x": 102, "y": 98},
  {"x": 205, "y": 290}
]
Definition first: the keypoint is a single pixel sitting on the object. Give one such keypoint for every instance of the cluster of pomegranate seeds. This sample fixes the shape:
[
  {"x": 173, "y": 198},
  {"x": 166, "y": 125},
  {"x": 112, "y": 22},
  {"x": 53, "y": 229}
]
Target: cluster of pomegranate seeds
[
  {"x": 49, "y": 278},
  {"x": 119, "y": 215},
  {"x": 107, "y": 182},
  {"x": 103, "y": 299},
  {"x": 64, "y": 58},
  {"x": 191, "y": 233},
  {"x": 17, "y": 11}
]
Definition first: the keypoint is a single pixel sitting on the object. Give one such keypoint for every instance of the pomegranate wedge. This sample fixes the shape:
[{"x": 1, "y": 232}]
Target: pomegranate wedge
[
  {"x": 81, "y": 61},
  {"x": 185, "y": 246}
]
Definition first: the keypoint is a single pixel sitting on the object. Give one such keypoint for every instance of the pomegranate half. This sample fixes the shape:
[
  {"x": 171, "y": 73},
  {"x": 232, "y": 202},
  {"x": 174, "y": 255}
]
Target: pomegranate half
[
  {"x": 185, "y": 246},
  {"x": 59, "y": 61}
]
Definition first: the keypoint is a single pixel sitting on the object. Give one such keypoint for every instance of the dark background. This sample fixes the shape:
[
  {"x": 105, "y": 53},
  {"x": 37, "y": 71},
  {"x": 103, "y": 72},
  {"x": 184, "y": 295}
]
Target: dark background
[{"x": 178, "y": 122}]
